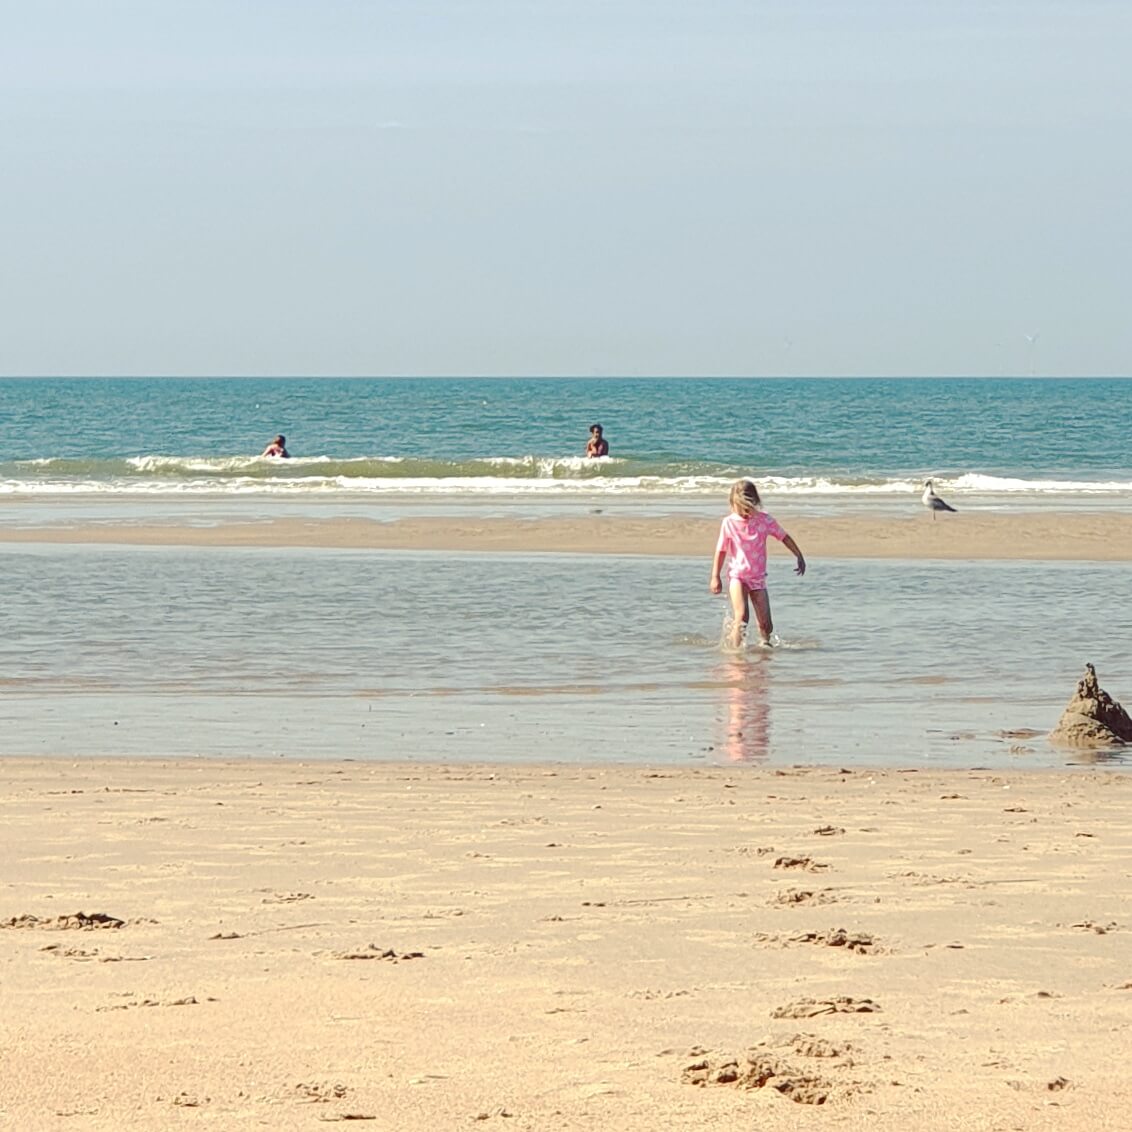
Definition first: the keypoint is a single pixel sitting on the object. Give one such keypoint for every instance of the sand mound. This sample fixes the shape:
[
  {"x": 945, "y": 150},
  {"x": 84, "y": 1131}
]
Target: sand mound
[
  {"x": 1092, "y": 718},
  {"x": 758, "y": 1071}
]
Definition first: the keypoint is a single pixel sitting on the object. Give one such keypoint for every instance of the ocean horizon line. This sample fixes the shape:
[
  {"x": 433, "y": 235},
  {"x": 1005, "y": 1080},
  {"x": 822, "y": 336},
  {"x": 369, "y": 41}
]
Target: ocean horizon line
[{"x": 611, "y": 376}]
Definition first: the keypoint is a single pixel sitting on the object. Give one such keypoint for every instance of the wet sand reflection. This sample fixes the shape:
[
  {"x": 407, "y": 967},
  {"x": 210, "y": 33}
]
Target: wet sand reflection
[{"x": 746, "y": 714}]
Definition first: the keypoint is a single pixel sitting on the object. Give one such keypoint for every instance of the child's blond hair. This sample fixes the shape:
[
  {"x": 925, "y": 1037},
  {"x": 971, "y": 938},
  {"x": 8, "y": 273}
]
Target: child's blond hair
[{"x": 745, "y": 499}]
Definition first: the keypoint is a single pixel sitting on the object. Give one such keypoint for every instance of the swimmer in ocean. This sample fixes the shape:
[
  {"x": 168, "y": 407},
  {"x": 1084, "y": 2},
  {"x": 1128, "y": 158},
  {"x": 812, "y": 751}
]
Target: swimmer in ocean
[{"x": 278, "y": 447}]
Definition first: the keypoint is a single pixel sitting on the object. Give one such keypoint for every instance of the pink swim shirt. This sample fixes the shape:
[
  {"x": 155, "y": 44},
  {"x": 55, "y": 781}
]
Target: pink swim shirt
[{"x": 744, "y": 541}]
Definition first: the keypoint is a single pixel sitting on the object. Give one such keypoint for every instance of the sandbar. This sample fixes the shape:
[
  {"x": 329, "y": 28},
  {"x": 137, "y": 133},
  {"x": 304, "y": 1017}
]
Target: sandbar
[{"x": 1037, "y": 536}]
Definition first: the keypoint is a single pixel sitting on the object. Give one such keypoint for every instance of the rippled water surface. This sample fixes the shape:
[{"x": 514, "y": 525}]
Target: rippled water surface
[{"x": 406, "y": 655}]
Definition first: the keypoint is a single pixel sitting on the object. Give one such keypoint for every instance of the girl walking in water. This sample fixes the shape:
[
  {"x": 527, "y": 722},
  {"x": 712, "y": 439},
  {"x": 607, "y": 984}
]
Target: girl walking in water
[{"x": 742, "y": 539}]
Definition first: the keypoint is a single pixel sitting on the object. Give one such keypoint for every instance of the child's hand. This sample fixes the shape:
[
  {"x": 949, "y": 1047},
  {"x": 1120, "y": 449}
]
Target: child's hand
[
  {"x": 715, "y": 585},
  {"x": 800, "y": 569}
]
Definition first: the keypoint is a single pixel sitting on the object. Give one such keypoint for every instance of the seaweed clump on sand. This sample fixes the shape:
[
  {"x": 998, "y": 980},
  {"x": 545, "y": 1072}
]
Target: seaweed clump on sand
[{"x": 1092, "y": 718}]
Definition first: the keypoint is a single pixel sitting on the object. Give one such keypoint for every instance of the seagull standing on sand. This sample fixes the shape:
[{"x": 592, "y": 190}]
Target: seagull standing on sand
[{"x": 932, "y": 501}]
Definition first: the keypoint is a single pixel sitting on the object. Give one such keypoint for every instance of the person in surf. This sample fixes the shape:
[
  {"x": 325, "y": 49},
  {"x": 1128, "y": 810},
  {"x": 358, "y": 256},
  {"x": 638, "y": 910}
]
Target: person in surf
[
  {"x": 597, "y": 445},
  {"x": 278, "y": 447}
]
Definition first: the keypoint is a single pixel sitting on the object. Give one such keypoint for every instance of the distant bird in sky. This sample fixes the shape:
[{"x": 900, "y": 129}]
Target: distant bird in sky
[{"x": 932, "y": 501}]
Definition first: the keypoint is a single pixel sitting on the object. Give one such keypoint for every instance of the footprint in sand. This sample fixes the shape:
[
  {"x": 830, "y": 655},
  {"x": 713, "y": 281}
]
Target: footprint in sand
[
  {"x": 79, "y": 921},
  {"x": 860, "y": 942},
  {"x": 809, "y": 1045},
  {"x": 61, "y": 952},
  {"x": 320, "y": 1092},
  {"x": 805, "y": 863},
  {"x": 286, "y": 897},
  {"x": 81, "y": 954},
  {"x": 189, "y": 1000},
  {"x": 372, "y": 951},
  {"x": 812, "y": 1007},
  {"x": 794, "y": 897},
  {"x": 926, "y": 878},
  {"x": 189, "y": 1100}
]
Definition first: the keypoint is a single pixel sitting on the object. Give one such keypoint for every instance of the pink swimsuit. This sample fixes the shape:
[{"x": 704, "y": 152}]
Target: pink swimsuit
[{"x": 744, "y": 540}]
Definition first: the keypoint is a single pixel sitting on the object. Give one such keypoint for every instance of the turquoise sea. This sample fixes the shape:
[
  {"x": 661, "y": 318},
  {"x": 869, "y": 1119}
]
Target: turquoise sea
[
  {"x": 112, "y": 650},
  {"x": 816, "y": 441}
]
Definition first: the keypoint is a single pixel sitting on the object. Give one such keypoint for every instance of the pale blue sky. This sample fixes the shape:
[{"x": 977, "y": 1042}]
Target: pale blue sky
[{"x": 576, "y": 187}]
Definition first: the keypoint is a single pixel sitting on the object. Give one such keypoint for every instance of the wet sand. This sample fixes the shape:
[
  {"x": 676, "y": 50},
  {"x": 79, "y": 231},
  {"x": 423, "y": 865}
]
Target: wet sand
[
  {"x": 1036, "y": 536},
  {"x": 431, "y": 947}
]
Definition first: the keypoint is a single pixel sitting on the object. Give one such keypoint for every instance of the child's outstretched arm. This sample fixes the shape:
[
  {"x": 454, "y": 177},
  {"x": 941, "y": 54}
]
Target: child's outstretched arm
[
  {"x": 792, "y": 546},
  {"x": 715, "y": 585}
]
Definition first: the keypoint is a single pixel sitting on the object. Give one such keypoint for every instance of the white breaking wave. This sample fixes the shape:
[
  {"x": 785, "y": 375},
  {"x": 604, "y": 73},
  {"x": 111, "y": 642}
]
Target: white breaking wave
[
  {"x": 289, "y": 480},
  {"x": 547, "y": 465},
  {"x": 353, "y": 485},
  {"x": 1000, "y": 485},
  {"x": 236, "y": 463}
]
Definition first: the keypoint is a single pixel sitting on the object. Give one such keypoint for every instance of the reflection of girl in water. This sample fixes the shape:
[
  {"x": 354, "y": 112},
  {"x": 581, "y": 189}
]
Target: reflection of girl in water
[{"x": 748, "y": 713}]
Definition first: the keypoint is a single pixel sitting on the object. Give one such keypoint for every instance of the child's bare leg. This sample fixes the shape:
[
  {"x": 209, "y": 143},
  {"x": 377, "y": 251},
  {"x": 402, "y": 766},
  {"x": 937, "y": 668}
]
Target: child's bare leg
[
  {"x": 761, "y": 602},
  {"x": 740, "y": 614}
]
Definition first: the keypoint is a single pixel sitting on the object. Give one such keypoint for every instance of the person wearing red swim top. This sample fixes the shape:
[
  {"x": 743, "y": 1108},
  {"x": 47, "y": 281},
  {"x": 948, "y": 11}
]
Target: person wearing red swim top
[{"x": 597, "y": 445}]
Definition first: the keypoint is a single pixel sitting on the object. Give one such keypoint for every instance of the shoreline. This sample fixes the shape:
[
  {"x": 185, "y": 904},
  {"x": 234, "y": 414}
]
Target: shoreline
[
  {"x": 561, "y": 947},
  {"x": 1032, "y": 536}
]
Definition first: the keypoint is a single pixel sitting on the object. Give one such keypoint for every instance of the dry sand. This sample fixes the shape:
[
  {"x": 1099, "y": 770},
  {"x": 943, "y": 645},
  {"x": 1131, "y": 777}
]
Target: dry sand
[
  {"x": 561, "y": 948},
  {"x": 1092, "y": 536}
]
